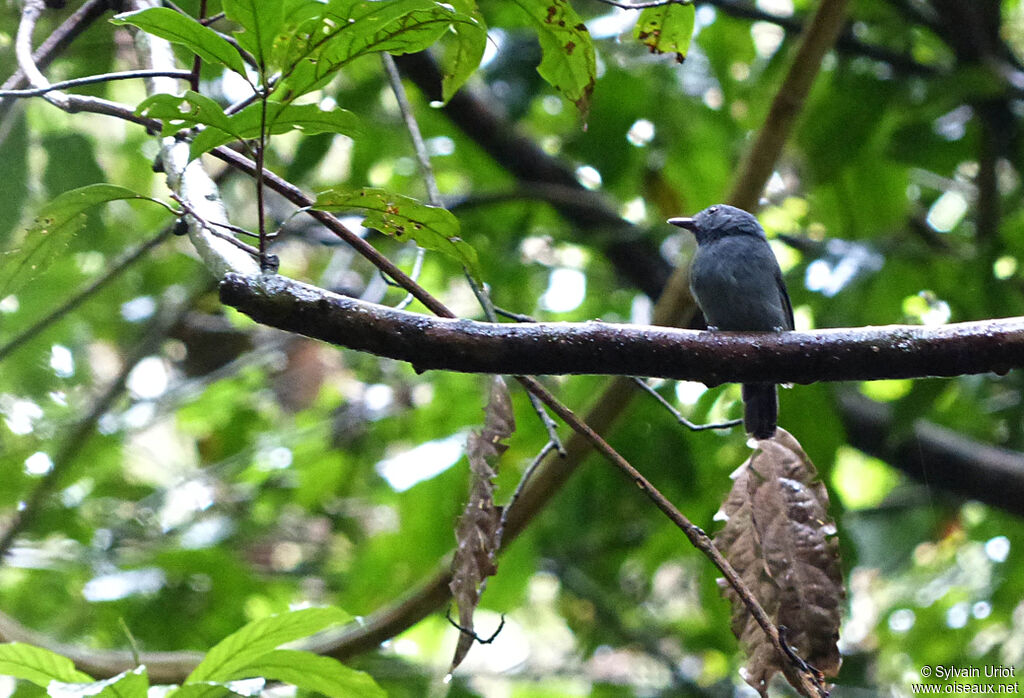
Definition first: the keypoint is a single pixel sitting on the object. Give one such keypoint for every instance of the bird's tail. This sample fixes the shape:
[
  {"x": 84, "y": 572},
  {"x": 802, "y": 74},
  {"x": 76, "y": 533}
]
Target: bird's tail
[{"x": 760, "y": 409}]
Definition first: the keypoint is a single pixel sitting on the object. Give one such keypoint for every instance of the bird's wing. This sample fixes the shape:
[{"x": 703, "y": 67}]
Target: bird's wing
[{"x": 787, "y": 304}]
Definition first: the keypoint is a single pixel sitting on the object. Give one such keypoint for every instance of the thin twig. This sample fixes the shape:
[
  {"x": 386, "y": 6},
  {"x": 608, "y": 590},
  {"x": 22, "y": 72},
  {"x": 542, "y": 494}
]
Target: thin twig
[
  {"x": 93, "y": 79},
  {"x": 69, "y": 103},
  {"x": 212, "y": 228},
  {"x": 549, "y": 424},
  {"x": 63, "y": 35},
  {"x": 642, "y": 384},
  {"x": 697, "y": 536},
  {"x": 197, "y": 62},
  {"x": 422, "y": 157},
  {"x": 527, "y": 474},
  {"x": 115, "y": 270}
]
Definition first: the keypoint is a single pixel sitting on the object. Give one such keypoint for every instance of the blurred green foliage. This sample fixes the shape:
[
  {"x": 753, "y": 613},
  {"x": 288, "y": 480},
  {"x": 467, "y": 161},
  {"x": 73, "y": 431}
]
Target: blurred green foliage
[{"x": 245, "y": 471}]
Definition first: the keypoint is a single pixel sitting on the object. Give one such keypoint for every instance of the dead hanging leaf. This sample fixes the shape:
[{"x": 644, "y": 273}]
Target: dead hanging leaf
[
  {"x": 782, "y": 543},
  {"x": 477, "y": 531}
]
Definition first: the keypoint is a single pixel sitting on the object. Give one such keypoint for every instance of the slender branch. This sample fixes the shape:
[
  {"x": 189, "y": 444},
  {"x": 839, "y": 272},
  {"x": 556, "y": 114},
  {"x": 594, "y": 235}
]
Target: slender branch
[
  {"x": 935, "y": 455},
  {"x": 93, "y": 79},
  {"x": 642, "y": 384},
  {"x": 422, "y": 157},
  {"x": 695, "y": 534},
  {"x": 819, "y": 38},
  {"x": 71, "y": 28},
  {"x": 70, "y": 103},
  {"x": 115, "y": 270}
]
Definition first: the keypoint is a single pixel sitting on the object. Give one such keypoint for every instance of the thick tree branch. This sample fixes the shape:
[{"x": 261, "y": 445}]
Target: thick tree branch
[
  {"x": 937, "y": 456},
  {"x": 867, "y": 353}
]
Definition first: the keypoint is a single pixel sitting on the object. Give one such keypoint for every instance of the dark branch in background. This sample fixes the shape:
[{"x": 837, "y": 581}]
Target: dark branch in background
[
  {"x": 863, "y": 353},
  {"x": 788, "y": 103},
  {"x": 634, "y": 257},
  {"x": 936, "y": 456},
  {"x": 846, "y": 43}
]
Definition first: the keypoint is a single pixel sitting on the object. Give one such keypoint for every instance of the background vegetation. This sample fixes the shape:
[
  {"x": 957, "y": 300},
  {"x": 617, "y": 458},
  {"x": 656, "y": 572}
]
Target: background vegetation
[{"x": 185, "y": 470}]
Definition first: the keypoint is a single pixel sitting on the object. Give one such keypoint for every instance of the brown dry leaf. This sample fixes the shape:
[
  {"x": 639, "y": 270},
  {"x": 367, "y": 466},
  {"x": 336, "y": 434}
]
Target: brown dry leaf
[
  {"x": 780, "y": 539},
  {"x": 477, "y": 530}
]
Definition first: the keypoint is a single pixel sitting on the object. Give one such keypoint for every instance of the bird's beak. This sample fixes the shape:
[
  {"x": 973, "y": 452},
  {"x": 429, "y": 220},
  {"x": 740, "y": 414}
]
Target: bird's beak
[{"x": 687, "y": 223}]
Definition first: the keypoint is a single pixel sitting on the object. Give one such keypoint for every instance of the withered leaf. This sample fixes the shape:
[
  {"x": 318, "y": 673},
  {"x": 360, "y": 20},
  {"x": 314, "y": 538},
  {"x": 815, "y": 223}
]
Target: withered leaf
[
  {"x": 780, "y": 539},
  {"x": 477, "y": 531}
]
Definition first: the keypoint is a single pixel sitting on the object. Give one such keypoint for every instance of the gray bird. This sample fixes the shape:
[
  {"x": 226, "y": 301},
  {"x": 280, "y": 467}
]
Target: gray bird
[{"x": 738, "y": 285}]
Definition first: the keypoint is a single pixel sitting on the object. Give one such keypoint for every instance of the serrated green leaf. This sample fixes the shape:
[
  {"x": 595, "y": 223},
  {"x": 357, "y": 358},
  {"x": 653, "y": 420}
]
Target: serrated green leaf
[
  {"x": 51, "y": 231},
  {"x": 37, "y": 665},
  {"x": 261, "y": 636},
  {"x": 186, "y": 111},
  {"x": 666, "y": 29},
  {"x": 405, "y": 218},
  {"x": 569, "y": 63},
  {"x": 261, "y": 22},
  {"x": 314, "y": 673},
  {"x": 129, "y": 684},
  {"x": 281, "y": 118},
  {"x": 314, "y": 52},
  {"x": 182, "y": 29},
  {"x": 462, "y": 49}
]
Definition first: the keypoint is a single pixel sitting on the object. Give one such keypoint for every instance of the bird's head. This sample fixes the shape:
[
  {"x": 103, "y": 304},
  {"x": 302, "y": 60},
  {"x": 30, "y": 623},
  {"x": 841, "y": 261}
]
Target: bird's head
[{"x": 719, "y": 221}]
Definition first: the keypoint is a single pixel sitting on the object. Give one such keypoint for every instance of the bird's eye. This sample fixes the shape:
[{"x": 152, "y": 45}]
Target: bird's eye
[{"x": 713, "y": 209}]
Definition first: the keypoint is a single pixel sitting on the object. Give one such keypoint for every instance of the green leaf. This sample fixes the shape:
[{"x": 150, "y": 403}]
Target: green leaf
[
  {"x": 129, "y": 684},
  {"x": 404, "y": 218},
  {"x": 313, "y": 673},
  {"x": 281, "y": 118},
  {"x": 313, "y": 53},
  {"x": 37, "y": 665},
  {"x": 261, "y": 22},
  {"x": 52, "y": 229},
  {"x": 462, "y": 49},
  {"x": 666, "y": 29},
  {"x": 189, "y": 110},
  {"x": 184, "y": 30},
  {"x": 568, "y": 63},
  {"x": 261, "y": 636},
  {"x": 214, "y": 689}
]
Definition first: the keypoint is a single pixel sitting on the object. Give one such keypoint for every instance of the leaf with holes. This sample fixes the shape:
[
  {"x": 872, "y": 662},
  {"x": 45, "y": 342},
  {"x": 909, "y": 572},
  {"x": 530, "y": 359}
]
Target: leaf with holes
[
  {"x": 405, "y": 218},
  {"x": 191, "y": 109},
  {"x": 666, "y": 29},
  {"x": 779, "y": 537},
  {"x": 569, "y": 63}
]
